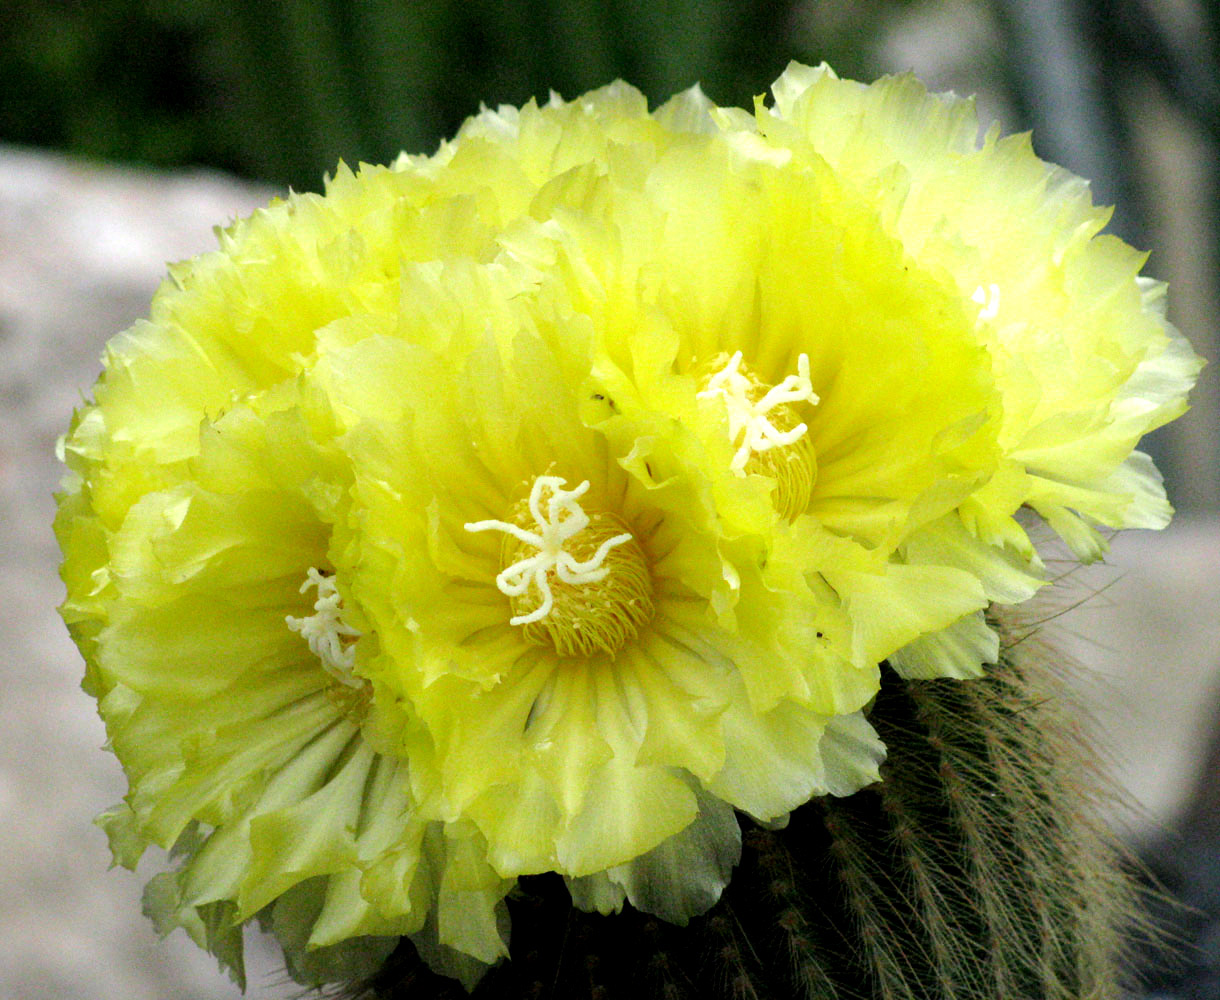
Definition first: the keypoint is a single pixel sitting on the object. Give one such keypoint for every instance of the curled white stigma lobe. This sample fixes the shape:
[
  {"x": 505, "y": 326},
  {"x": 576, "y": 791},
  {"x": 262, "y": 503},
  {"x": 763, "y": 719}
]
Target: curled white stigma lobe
[
  {"x": 325, "y": 630},
  {"x": 750, "y": 427},
  {"x": 988, "y": 299},
  {"x": 562, "y": 520}
]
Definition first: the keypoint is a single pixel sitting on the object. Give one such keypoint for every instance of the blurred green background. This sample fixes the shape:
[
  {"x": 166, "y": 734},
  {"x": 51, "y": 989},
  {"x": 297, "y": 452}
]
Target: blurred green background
[
  {"x": 1123, "y": 92},
  {"x": 279, "y": 89}
]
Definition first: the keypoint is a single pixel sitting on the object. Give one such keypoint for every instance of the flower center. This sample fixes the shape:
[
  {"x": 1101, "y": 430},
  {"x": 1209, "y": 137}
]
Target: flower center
[
  {"x": 766, "y": 429},
  {"x": 330, "y": 640},
  {"x": 577, "y": 580}
]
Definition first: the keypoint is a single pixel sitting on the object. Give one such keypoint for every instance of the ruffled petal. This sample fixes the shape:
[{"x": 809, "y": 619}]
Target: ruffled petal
[
  {"x": 684, "y": 875},
  {"x": 468, "y": 902},
  {"x": 774, "y": 761},
  {"x": 960, "y": 651},
  {"x": 627, "y": 811},
  {"x": 292, "y": 919},
  {"x": 1006, "y": 576},
  {"x": 894, "y": 608}
]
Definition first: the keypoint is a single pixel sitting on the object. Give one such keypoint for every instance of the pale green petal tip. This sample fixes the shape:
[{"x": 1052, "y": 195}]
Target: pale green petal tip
[
  {"x": 122, "y": 831},
  {"x": 1140, "y": 479},
  {"x": 684, "y": 875},
  {"x": 960, "y": 651},
  {"x": 596, "y": 893},
  {"x": 688, "y": 111},
  {"x": 291, "y": 919},
  {"x": 852, "y": 754},
  {"x": 467, "y": 961},
  {"x": 1086, "y": 542},
  {"x": 213, "y": 926},
  {"x": 795, "y": 80},
  {"x": 451, "y": 962}
]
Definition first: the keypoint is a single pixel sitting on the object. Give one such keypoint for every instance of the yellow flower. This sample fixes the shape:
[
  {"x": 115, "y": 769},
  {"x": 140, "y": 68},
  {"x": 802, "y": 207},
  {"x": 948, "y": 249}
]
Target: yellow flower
[
  {"x": 231, "y": 659},
  {"x": 540, "y": 504},
  {"x": 1083, "y": 355},
  {"x": 756, "y": 326},
  {"x": 549, "y": 618}
]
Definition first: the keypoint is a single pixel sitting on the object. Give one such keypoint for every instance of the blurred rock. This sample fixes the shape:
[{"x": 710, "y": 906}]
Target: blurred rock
[
  {"x": 1146, "y": 627},
  {"x": 82, "y": 248}
]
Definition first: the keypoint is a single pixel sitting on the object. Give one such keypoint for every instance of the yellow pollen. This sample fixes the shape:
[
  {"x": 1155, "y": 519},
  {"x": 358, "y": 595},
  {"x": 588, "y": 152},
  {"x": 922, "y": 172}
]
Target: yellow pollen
[
  {"x": 578, "y": 581},
  {"x": 769, "y": 437},
  {"x": 352, "y": 702},
  {"x": 325, "y": 630}
]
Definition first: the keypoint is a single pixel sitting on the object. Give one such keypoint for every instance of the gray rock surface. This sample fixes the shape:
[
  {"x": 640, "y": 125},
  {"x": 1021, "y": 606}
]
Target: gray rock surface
[{"x": 81, "y": 250}]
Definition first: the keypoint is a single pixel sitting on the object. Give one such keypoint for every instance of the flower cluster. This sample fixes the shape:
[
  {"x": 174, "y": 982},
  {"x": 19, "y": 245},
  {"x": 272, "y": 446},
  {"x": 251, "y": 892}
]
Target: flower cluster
[{"x": 541, "y": 504}]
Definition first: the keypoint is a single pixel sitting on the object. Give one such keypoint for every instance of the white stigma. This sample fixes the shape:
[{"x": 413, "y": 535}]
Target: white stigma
[
  {"x": 749, "y": 426},
  {"x": 563, "y": 520},
  {"x": 325, "y": 630},
  {"x": 989, "y": 299}
]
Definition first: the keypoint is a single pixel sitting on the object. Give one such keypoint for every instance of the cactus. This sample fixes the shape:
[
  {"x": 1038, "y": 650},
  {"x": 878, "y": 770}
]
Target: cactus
[{"x": 975, "y": 870}]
